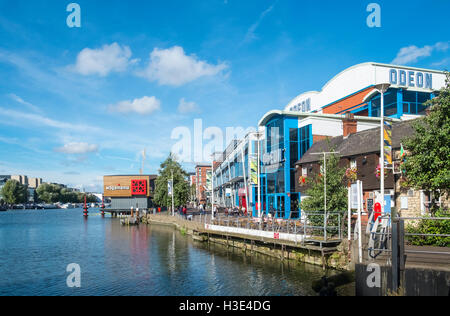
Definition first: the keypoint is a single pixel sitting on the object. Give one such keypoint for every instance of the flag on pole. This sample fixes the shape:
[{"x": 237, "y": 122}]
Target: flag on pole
[
  {"x": 169, "y": 187},
  {"x": 387, "y": 143},
  {"x": 254, "y": 171},
  {"x": 402, "y": 152}
]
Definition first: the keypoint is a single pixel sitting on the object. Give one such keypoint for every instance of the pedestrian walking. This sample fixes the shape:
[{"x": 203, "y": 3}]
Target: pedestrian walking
[{"x": 184, "y": 210}]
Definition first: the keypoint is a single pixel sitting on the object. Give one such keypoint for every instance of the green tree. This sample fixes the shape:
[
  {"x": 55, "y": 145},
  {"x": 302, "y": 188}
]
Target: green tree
[
  {"x": 336, "y": 193},
  {"x": 49, "y": 193},
  {"x": 181, "y": 187},
  {"x": 68, "y": 196},
  {"x": 427, "y": 163},
  {"x": 14, "y": 193}
]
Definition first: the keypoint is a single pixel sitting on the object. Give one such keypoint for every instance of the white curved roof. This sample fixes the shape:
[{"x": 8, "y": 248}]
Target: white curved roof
[{"x": 357, "y": 78}]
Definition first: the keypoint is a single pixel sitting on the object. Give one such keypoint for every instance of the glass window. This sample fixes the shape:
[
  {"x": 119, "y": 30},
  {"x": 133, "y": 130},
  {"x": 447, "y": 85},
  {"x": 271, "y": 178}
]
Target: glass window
[
  {"x": 390, "y": 110},
  {"x": 409, "y": 96},
  {"x": 423, "y": 97},
  {"x": 280, "y": 181},
  {"x": 406, "y": 107},
  {"x": 294, "y": 154},
  {"x": 293, "y": 135},
  {"x": 390, "y": 97},
  {"x": 271, "y": 183},
  {"x": 292, "y": 174}
]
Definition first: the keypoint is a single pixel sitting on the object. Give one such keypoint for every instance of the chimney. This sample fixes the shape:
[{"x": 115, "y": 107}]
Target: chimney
[{"x": 349, "y": 124}]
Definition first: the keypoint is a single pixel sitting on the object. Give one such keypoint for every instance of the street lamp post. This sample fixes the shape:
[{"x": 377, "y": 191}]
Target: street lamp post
[
  {"x": 173, "y": 191},
  {"x": 212, "y": 187},
  {"x": 382, "y": 88},
  {"x": 259, "y": 174}
]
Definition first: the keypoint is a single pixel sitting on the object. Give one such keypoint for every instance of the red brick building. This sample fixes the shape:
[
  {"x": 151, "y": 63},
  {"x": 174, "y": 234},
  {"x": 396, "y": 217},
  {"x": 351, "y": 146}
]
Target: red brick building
[{"x": 202, "y": 178}]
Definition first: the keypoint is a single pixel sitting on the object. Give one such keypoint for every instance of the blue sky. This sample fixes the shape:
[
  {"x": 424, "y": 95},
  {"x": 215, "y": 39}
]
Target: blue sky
[{"x": 79, "y": 103}]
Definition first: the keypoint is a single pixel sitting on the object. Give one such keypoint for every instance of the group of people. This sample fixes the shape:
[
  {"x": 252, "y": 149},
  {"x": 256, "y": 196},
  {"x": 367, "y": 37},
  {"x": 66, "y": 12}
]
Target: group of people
[
  {"x": 235, "y": 211},
  {"x": 182, "y": 210}
]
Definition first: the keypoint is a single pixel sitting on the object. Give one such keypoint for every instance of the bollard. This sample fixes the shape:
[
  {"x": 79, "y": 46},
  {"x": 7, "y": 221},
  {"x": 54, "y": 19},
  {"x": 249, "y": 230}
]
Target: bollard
[{"x": 85, "y": 212}]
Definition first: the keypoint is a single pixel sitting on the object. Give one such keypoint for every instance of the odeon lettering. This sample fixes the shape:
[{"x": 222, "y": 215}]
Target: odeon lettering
[
  {"x": 304, "y": 106},
  {"x": 411, "y": 79}
]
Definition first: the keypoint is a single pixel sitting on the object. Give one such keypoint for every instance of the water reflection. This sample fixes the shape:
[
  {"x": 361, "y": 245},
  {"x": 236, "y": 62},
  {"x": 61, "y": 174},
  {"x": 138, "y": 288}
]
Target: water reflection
[{"x": 37, "y": 246}]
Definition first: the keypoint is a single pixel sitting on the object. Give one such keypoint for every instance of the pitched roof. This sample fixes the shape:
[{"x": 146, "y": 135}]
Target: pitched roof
[{"x": 364, "y": 142}]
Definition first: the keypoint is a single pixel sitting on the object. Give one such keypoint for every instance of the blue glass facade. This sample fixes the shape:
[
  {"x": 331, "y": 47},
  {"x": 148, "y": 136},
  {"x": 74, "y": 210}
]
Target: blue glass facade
[
  {"x": 285, "y": 143},
  {"x": 397, "y": 102}
]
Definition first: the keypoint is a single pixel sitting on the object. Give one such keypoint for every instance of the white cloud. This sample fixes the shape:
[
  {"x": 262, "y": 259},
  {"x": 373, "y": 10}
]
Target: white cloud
[
  {"x": 22, "y": 101},
  {"x": 102, "y": 61},
  {"x": 78, "y": 148},
  {"x": 173, "y": 67},
  {"x": 412, "y": 54},
  {"x": 20, "y": 117},
  {"x": 145, "y": 105},
  {"x": 251, "y": 31},
  {"x": 187, "y": 107}
]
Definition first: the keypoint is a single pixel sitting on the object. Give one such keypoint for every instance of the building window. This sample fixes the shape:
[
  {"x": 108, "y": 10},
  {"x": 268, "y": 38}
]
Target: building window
[
  {"x": 353, "y": 163},
  {"x": 305, "y": 172}
]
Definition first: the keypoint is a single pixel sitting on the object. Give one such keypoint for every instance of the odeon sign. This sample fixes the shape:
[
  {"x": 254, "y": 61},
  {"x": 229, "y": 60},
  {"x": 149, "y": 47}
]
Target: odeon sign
[
  {"x": 304, "y": 106},
  {"x": 411, "y": 79}
]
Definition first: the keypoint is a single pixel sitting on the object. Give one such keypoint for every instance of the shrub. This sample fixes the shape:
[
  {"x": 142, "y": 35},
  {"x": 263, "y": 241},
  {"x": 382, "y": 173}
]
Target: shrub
[{"x": 428, "y": 226}]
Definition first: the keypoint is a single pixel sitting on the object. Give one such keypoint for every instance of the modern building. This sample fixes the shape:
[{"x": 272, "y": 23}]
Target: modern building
[
  {"x": 314, "y": 116},
  {"x": 233, "y": 168},
  {"x": 203, "y": 183},
  {"x": 23, "y": 180},
  {"x": 34, "y": 182},
  {"x": 127, "y": 191}
]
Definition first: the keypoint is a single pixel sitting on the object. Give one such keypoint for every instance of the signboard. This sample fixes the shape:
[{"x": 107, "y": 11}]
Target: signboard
[
  {"x": 370, "y": 206},
  {"x": 228, "y": 192},
  {"x": 208, "y": 180},
  {"x": 127, "y": 186},
  {"x": 138, "y": 187},
  {"x": 117, "y": 188},
  {"x": 354, "y": 196}
]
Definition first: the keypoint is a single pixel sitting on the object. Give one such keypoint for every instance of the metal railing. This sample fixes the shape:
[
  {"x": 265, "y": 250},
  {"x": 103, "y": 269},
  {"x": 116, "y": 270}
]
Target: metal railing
[
  {"x": 383, "y": 238},
  {"x": 317, "y": 226},
  {"x": 311, "y": 226}
]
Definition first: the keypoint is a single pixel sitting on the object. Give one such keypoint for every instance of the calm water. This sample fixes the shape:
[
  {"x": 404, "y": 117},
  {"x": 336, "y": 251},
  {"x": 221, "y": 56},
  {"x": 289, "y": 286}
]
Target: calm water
[{"x": 37, "y": 246}]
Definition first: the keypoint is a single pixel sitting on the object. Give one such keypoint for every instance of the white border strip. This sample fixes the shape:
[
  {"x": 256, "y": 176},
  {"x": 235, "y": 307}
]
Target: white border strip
[{"x": 255, "y": 233}]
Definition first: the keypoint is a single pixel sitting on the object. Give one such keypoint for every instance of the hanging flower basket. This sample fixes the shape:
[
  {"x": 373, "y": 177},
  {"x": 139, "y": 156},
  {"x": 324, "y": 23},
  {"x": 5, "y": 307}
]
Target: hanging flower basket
[
  {"x": 351, "y": 174},
  {"x": 378, "y": 173},
  {"x": 302, "y": 180}
]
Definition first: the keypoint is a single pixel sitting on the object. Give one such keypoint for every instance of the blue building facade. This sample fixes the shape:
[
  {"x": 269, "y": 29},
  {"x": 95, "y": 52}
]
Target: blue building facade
[{"x": 284, "y": 144}]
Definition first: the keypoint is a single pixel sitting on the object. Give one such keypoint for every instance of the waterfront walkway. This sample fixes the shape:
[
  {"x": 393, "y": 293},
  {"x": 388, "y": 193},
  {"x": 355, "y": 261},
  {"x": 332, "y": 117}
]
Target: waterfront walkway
[{"x": 275, "y": 238}]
